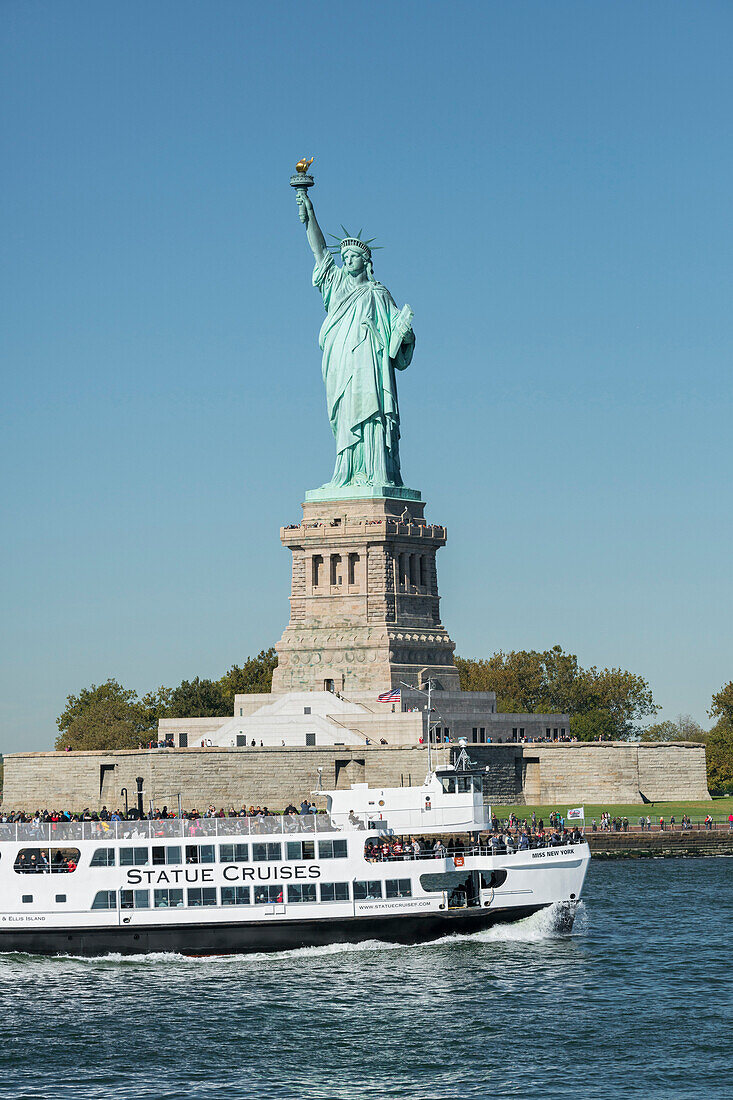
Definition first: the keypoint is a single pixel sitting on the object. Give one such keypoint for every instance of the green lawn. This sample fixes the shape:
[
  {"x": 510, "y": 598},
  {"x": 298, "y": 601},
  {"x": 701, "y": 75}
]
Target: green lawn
[{"x": 719, "y": 808}]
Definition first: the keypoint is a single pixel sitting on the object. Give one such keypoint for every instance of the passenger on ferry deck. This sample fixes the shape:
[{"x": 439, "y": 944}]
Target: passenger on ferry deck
[{"x": 416, "y": 850}]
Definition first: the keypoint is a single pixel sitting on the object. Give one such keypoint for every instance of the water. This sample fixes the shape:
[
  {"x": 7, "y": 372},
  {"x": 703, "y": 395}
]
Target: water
[{"x": 636, "y": 1003}]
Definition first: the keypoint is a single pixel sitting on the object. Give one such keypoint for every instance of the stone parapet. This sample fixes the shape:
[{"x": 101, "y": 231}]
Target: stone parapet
[
  {"x": 614, "y": 772},
  {"x": 222, "y": 777},
  {"x": 531, "y": 774}
]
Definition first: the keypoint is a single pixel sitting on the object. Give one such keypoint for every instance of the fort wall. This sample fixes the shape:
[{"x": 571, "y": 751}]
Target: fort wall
[{"x": 535, "y": 774}]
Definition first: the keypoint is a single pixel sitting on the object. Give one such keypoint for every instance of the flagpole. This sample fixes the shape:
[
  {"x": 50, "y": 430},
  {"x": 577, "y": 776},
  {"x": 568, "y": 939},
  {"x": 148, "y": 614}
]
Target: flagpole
[{"x": 429, "y": 709}]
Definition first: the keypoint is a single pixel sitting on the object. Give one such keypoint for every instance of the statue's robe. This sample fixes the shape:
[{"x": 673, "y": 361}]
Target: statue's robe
[{"x": 358, "y": 373}]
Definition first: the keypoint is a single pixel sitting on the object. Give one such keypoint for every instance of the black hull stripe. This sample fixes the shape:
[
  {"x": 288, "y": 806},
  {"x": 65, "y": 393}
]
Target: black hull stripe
[{"x": 244, "y": 938}]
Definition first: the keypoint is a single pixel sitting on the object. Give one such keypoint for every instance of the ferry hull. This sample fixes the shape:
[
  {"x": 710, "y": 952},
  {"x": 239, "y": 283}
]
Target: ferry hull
[{"x": 248, "y": 937}]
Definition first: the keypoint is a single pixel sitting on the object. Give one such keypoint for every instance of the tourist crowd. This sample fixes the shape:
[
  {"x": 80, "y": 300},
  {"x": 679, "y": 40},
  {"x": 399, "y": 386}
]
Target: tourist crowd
[{"x": 45, "y": 817}]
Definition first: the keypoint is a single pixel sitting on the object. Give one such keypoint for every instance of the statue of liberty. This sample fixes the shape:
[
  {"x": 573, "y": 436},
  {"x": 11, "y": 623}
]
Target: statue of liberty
[{"x": 365, "y": 338}]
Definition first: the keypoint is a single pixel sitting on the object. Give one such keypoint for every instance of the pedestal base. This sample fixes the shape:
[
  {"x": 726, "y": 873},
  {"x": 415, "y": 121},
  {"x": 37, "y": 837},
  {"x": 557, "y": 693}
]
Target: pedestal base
[
  {"x": 364, "y": 603},
  {"x": 362, "y": 492}
]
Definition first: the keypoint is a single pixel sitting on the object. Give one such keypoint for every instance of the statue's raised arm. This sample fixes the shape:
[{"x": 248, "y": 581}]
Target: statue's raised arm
[
  {"x": 313, "y": 230},
  {"x": 365, "y": 339}
]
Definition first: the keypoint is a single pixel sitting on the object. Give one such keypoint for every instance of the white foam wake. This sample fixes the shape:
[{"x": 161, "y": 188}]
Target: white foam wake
[{"x": 544, "y": 925}]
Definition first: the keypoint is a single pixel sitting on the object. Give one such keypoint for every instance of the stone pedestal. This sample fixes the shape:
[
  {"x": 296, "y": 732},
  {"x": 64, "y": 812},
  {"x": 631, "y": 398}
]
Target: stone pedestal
[{"x": 364, "y": 604}]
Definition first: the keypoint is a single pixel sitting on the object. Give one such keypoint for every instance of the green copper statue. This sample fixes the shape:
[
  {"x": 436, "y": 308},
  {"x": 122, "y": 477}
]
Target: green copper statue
[{"x": 365, "y": 338}]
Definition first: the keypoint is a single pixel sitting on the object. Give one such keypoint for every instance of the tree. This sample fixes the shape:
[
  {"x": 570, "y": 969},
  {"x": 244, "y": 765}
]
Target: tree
[
  {"x": 594, "y": 725},
  {"x": 104, "y": 716},
  {"x": 255, "y": 675},
  {"x": 155, "y": 705},
  {"x": 719, "y": 747},
  {"x": 684, "y": 728},
  {"x": 528, "y": 681},
  {"x": 722, "y": 704},
  {"x": 719, "y": 758},
  {"x": 198, "y": 699}
]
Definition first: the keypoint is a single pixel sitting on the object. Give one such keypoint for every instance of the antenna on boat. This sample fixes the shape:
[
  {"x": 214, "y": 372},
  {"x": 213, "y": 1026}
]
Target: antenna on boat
[{"x": 462, "y": 762}]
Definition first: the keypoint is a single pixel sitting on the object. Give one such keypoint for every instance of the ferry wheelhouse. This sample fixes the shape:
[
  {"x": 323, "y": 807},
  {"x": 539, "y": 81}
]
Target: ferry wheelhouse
[{"x": 400, "y": 864}]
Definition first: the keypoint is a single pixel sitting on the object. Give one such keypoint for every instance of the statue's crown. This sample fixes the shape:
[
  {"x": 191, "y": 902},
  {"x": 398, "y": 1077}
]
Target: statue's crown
[{"x": 352, "y": 242}]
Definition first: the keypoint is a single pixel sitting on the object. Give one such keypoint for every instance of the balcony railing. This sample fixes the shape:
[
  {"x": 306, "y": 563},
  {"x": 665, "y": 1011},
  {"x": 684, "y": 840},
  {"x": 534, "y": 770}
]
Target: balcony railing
[
  {"x": 377, "y": 820},
  {"x": 168, "y": 828}
]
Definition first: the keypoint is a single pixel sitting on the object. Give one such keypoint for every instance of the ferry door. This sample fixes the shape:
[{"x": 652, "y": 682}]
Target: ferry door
[
  {"x": 486, "y": 890},
  {"x": 466, "y": 893},
  {"x": 473, "y": 892}
]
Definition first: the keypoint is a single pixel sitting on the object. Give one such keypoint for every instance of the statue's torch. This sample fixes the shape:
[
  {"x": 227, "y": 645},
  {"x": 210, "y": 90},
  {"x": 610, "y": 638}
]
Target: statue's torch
[{"x": 301, "y": 181}]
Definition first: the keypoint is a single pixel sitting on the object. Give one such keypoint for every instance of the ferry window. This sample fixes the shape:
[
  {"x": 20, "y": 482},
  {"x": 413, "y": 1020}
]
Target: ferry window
[
  {"x": 105, "y": 899},
  {"x": 134, "y": 899},
  {"x": 364, "y": 891},
  {"x": 167, "y": 899},
  {"x": 334, "y": 891},
  {"x": 64, "y": 860},
  {"x": 31, "y": 861},
  {"x": 234, "y": 853},
  {"x": 492, "y": 880},
  {"x": 267, "y": 895},
  {"x": 202, "y": 895},
  {"x": 103, "y": 857},
  {"x": 61, "y": 897},
  {"x": 34, "y": 861},
  {"x": 304, "y": 892},
  {"x": 301, "y": 849},
  {"x": 464, "y": 784},
  {"x": 263, "y": 852},
  {"x": 478, "y": 783},
  {"x": 442, "y": 880},
  {"x": 332, "y": 849},
  {"x": 399, "y": 888},
  {"x": 200, "y": 853},
  {"x": 133, "y": 857},
  {"x": 449, "y": 784},
  {"x": 163, "y": 854},
  {"x": 235, "y": 895},
  {"x": 27, "y": 899}
]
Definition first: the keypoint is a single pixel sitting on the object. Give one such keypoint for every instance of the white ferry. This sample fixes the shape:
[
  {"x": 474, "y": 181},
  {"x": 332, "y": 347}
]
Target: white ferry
[{"x": 403, "y": 864}]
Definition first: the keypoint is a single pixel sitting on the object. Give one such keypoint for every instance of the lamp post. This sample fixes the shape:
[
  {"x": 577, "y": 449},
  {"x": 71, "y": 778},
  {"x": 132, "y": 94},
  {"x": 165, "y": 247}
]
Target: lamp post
[{"x": 428, "y": 693}]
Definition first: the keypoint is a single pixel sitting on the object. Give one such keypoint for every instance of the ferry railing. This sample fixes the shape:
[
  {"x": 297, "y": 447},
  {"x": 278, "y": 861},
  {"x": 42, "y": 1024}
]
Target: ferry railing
[
  {"x": 59, "y": 833},
  {"x": 62, "y": 832},
  {"x": 451, "y": 851}
]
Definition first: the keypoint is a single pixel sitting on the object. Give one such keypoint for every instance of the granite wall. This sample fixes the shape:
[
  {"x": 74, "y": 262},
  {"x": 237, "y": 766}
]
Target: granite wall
[{"x": 540, "y": 774}]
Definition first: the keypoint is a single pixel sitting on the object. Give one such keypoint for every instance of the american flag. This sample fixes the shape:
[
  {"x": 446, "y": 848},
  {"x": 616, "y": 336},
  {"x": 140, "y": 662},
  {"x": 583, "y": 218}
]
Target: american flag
[{"x": 389, "y": 696}]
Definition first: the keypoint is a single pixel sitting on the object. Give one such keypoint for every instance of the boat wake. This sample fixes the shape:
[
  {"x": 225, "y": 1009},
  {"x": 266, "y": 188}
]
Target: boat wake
[{"x": 550, "y": 923}]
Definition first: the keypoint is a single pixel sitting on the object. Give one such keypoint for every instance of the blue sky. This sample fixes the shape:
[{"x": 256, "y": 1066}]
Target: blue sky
[{"x": 551, "y": 184}]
